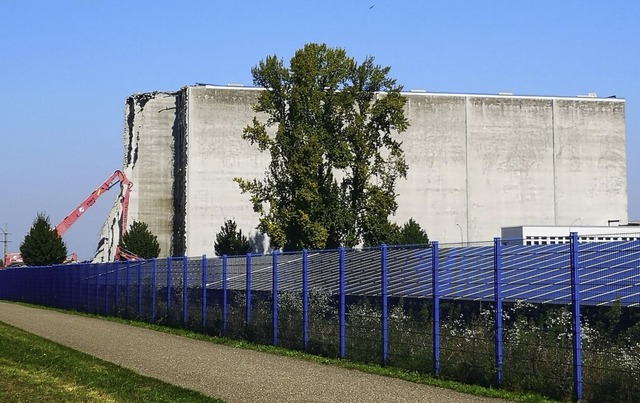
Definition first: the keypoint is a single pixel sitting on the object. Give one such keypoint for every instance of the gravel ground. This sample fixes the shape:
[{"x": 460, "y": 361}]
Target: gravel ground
[{"x": 235, "y": 375}]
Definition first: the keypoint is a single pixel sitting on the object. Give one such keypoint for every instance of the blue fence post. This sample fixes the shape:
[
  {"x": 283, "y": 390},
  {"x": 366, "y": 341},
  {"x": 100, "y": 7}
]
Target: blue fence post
[
  {"x": 77, "y": 288},
  {"x": 69, "y": 293},
  {"x": 106, "y": 288},
  {"x": 224, "y": 295},
  {"x": 68, "y": 297},
  {"x": 116, "y": 286},
  {"x": 128, "y": 283},
  {"x": 435, "y": 289},
  {"x": 305, "y": 300},
  {"x": 89, "y": 269},
  {"x": 58, "y": 289},
  {"x": 74, "y": 273},
  {"x": 274, "y": 298},
  {"x": 139, "y": 264},
  {"x": 65, "y": 286},
  {"x": 62, "y": 286},
  {"x": 247, "y": 319},
  {"x": 204, "y": 294},
  {"x": 383, "y": 295},
  {"x": 153, "y": 290},
  {"x": 85, "y": 278},
  {"x": 575, "y": 318},
  {"x": 341, "y": 320},
  {"x": 99, "y": 275},
  {"x": 168, "y": 287},
  {"x": 184, "y": 290},
  {"x": 497, "y": 291}
]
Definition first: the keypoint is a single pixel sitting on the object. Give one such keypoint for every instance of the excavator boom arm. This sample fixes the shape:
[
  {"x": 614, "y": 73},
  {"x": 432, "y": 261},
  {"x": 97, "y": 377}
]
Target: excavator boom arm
[{"x": 73, "y": 216}]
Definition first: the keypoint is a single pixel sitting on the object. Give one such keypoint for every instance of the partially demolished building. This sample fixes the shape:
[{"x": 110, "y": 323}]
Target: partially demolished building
[{"x": 476, "y": 163}]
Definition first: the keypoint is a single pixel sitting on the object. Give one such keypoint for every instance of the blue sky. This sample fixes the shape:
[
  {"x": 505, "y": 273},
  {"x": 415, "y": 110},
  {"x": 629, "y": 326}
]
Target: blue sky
[{"x": 66, "y": 68}]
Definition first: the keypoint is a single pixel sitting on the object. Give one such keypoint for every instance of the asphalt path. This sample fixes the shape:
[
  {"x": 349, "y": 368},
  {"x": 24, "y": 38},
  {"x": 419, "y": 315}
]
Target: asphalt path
[{"x": 231, "y": 374}]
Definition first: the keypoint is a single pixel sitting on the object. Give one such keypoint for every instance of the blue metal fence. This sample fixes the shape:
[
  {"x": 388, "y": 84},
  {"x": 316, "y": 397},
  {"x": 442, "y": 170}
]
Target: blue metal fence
[{"x": 434, "y": 308}]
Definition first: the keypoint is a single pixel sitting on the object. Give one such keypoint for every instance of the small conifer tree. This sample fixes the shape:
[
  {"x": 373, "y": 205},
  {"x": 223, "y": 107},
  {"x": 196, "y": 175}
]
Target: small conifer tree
[
  {"x": 230, "y": 241},
  {"x": 140, "y": 241},
  {"x": 42, "y": 246},
  {"x": 412, "y": 234}
]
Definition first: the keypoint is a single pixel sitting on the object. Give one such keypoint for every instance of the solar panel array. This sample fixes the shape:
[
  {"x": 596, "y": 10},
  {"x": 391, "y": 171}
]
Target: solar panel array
[{"x": 608, "y": 272}]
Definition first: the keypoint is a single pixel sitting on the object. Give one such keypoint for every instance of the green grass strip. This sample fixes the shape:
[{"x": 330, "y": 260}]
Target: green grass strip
[{"x": 33, "y": 369}]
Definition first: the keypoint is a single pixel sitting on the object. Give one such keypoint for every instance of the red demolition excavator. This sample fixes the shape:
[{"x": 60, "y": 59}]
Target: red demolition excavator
[{"x": 14, "y": 259}]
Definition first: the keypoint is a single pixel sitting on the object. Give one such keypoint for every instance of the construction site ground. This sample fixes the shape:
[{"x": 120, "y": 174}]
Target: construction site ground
[{"x": 231, "y": 374}]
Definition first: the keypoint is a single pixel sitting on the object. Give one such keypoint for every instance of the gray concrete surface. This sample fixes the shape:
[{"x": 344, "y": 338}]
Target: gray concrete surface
[
  {"x": 235, "y": 375},
  {"x": 476, "y": 163}
]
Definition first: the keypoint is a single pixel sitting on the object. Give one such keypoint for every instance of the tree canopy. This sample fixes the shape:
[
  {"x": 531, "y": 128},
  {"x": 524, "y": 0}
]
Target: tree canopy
[
  {"x": 330, "y": 128},
  {"x": 139, "y": 241},
  {"x": 42, "y": 246},
  {"x": 412, "y": 234},
  {"x": 230, "y": 241}
]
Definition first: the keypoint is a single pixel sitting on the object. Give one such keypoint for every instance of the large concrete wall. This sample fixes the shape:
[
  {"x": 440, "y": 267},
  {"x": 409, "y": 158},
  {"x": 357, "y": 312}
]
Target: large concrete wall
[
  {"x": 476, "y": 163},
  {"x": 591, "y": 171},
  {"x": 216, "y": 154},
  {"x": 509, "y": 164},
  {"x": 435, "y": 191}
]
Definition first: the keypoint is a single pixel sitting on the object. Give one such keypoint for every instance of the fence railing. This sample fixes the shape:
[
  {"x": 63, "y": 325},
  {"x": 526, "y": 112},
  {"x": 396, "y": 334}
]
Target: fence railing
[{"x": 551, "y": 319}]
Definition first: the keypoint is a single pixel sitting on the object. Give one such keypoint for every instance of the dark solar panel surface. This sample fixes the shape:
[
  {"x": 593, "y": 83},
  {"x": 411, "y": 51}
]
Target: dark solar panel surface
[{"x": 608, "y": 272}]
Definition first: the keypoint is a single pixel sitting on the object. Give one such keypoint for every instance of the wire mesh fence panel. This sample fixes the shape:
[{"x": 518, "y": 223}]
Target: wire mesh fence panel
[
  {"x": 467, "y": 337},
  {"x": 192, "y": 317},
  {"x": 409, "y": 272},
  {"x": 410, "y": 330},
  {"x": 237, "y": 296},
  {"x": 363, "y": 311},
  {"x": 91, "y": 281},
  {"x": 75, "y": 293},
  {"x": 176, "y": 292},
  {"x": 215, "y": 299},
  {"x": 123, "y": 290},
  {"x": 290, "y": 301},
  {"x": 323, "y": 286},
  {"x": 537, "y": 319},
  {"x": 161, "y": 287},
  {"x": 411, "y": 334},
  {"x": 610, "y": 342},
  {"x": 260, "y": 327},
  {"x": 102, "y": 292},
  {"x": 145, "y": 290}
]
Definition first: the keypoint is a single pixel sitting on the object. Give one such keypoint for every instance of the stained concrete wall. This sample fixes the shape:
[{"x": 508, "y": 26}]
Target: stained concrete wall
[
  {"x": 435, "y": 191},
  {"x": 152, "y": 129},
  {"x": 591, "y": 178},
  {"x": 476, "y": 163},
  {"x": 510, "y": 164},
  {"x": 216, "y": 153}
]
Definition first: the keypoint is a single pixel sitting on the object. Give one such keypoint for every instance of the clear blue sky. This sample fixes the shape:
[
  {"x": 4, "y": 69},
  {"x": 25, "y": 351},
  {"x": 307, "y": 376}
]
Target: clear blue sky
[{"x": 66, "y": 68}]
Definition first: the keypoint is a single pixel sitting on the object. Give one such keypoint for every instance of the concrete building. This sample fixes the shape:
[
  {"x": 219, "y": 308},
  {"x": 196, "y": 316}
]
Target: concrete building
[{"x": 476, "y": 163}]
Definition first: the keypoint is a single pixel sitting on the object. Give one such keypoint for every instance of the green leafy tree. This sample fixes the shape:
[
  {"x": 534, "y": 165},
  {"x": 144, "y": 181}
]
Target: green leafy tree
[
  {"x": 42, "y": 246},
  {"x": 230, "y": 241},
  {"x": 330, "y": 130},
  {"x": 138, "y": 240}
]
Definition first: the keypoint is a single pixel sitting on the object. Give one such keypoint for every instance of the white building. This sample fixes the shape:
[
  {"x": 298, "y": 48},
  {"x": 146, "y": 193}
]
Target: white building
[{"x": 548, "y": 235}]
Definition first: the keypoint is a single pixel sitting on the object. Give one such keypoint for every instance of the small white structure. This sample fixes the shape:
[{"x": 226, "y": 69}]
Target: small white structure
[{"x": 549, "y": 235}]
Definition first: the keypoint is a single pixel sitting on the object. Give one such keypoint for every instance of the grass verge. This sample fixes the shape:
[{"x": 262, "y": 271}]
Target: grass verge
[{"x": 33, "y": 369}]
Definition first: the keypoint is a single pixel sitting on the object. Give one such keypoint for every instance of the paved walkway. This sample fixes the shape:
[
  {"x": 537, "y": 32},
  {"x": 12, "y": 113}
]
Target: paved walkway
[{"x": 235, "y": 375}]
